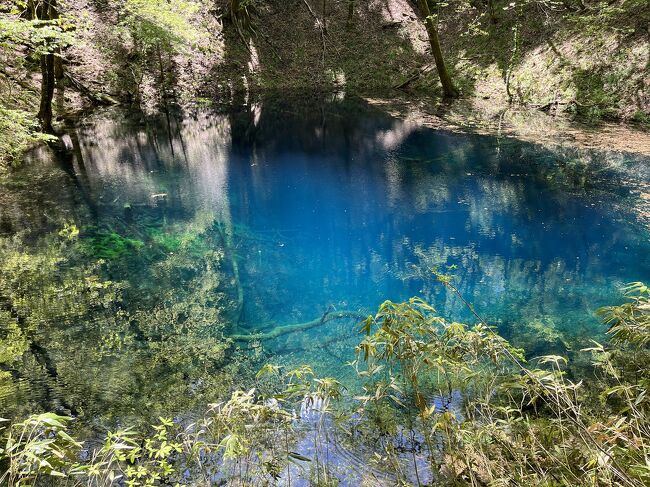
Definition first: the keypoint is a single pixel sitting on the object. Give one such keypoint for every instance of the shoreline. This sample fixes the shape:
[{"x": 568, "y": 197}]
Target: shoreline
[{"x": 527, "y": 124}]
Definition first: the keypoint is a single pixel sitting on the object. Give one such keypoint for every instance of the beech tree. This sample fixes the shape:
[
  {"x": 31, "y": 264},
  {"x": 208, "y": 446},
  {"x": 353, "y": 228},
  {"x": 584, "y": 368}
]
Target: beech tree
[{"x": 46, "y": 11}]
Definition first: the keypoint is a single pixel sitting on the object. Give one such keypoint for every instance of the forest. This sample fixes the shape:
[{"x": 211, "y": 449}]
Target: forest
[{"x": 324, "y": 243}]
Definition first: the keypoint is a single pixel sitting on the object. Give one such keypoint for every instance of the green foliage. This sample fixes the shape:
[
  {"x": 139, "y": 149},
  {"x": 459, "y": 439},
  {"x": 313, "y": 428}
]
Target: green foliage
[
  {"x": 111, "y": 245},
  {"x": 42, "y": 36},
  {"x": 159, "y": 23},
  {"x": 169, "y": 242},
  {"x": 519, "y": 425},
  {"x": 136, "y": 460},
  {"x": 19, "y": 130},
  {"x": 641, "y": 118},
  {"x": 244, "y": 431},
  {"x": 19, "y": 29},
  {"x": 473, "y": 408},
  {"x": 166, "y": 327},
  {"x": 630, "y": 322},
  {"x": 38, "y": 446},
  {"x": 412, "y": 343},
  {"x": 540, "y": 336},
  {"x": 595, "y": 95}
]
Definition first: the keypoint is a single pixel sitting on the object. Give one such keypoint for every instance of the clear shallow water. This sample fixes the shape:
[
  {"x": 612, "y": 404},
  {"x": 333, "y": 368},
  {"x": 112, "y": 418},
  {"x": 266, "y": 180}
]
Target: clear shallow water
[{"x": 333, "y": 205}]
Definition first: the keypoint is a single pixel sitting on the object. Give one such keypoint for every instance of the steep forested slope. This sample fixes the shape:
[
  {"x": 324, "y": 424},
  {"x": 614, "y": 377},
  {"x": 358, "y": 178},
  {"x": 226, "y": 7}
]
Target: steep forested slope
[{"x": 585, "y": 57}]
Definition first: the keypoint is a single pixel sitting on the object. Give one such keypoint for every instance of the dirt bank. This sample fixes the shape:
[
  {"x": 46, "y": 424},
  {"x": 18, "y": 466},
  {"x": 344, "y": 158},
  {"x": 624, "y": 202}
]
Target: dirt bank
[{"x": 530, "y": 124}]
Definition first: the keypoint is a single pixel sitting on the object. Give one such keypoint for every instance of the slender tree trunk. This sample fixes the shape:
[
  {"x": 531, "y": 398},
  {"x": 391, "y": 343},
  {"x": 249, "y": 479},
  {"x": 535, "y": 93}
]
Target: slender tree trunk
[
  {"x": 511, "y": 62},
  {"x": 58, "y": 61},
  {"x": 47, "y": 77},
  {"x": 58, "y": 67},
  {"x": 491, "y": 12},
  {"x": 47, "y": 93},
  {"x": 448, "y": 88},
  {"x": 350, "y": 12}
]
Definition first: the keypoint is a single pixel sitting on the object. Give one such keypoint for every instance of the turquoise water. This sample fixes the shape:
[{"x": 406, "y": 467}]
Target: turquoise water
[{"x": 319, "y": 205}]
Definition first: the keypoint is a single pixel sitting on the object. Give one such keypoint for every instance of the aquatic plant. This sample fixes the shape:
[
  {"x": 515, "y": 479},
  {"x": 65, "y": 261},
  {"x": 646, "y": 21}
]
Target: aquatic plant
[
  {"x": 38, "y": 446},
  {"x": 246, "y": 439},
  {"x": 171, "y": 241},
  {"x": 411, "y": 356},
  {"x": 111, "y": 245},
  {"x": 165, "y": 328}
]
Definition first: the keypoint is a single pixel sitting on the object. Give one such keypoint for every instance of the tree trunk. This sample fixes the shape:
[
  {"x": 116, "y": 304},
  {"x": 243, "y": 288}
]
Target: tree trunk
[
  {"x": 299, "y": 327},
  {"x": 58, "y": 61},
  {"x": 47, "y": 77},
  {"x": 47, "y": 93},
  {"x": 448, "y": 88},
  {"x": 350, "y": 12},
  {"x": 492, "y": 12}
]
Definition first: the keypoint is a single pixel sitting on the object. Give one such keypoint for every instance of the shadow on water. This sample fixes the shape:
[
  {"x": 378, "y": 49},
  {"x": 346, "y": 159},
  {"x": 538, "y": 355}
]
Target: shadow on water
[{"x": 256, "y": 216}]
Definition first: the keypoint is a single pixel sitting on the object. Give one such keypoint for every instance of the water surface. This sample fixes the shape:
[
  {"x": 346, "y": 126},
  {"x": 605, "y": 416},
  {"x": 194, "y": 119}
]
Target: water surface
[{"x": 274, "y": 212}]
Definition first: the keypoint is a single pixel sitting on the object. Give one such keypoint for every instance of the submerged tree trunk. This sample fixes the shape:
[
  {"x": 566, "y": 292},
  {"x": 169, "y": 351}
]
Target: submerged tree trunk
[
  {"x": 448, "y": 88},
  {"x": 298, "y": 327}
]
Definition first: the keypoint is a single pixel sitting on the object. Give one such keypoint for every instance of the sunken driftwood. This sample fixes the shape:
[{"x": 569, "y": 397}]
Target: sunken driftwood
[{"x": 285, "y": 329}]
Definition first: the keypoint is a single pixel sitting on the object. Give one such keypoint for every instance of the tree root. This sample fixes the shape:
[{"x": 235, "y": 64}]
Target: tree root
[{"x": 285, "y": 329}]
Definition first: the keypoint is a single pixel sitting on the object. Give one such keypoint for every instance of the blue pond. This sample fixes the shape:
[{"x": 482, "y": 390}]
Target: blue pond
[{"x": 335, "y": 205}]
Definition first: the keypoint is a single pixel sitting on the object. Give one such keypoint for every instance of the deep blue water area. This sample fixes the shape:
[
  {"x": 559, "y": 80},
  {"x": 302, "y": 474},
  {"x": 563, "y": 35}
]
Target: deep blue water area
[{"x": 332, "y": 204}]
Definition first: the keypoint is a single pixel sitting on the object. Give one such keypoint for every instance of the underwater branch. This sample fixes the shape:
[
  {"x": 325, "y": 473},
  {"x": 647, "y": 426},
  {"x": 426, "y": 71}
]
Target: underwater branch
[{"x": 292, "y": 328}]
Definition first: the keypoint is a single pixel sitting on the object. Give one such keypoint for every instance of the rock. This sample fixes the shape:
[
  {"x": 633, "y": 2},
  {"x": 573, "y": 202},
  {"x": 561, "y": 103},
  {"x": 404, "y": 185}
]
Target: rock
[{"x": 392, "y": 25}]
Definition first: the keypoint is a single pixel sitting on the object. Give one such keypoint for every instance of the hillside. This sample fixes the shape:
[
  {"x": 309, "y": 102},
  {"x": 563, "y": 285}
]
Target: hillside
[
  {"x": 589, "y": 59},
  {"x": 586, "y": 59}
]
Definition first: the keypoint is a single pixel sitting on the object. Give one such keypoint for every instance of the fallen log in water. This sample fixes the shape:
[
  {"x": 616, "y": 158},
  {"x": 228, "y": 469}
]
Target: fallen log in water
[{"x": 284, "y": 329}]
